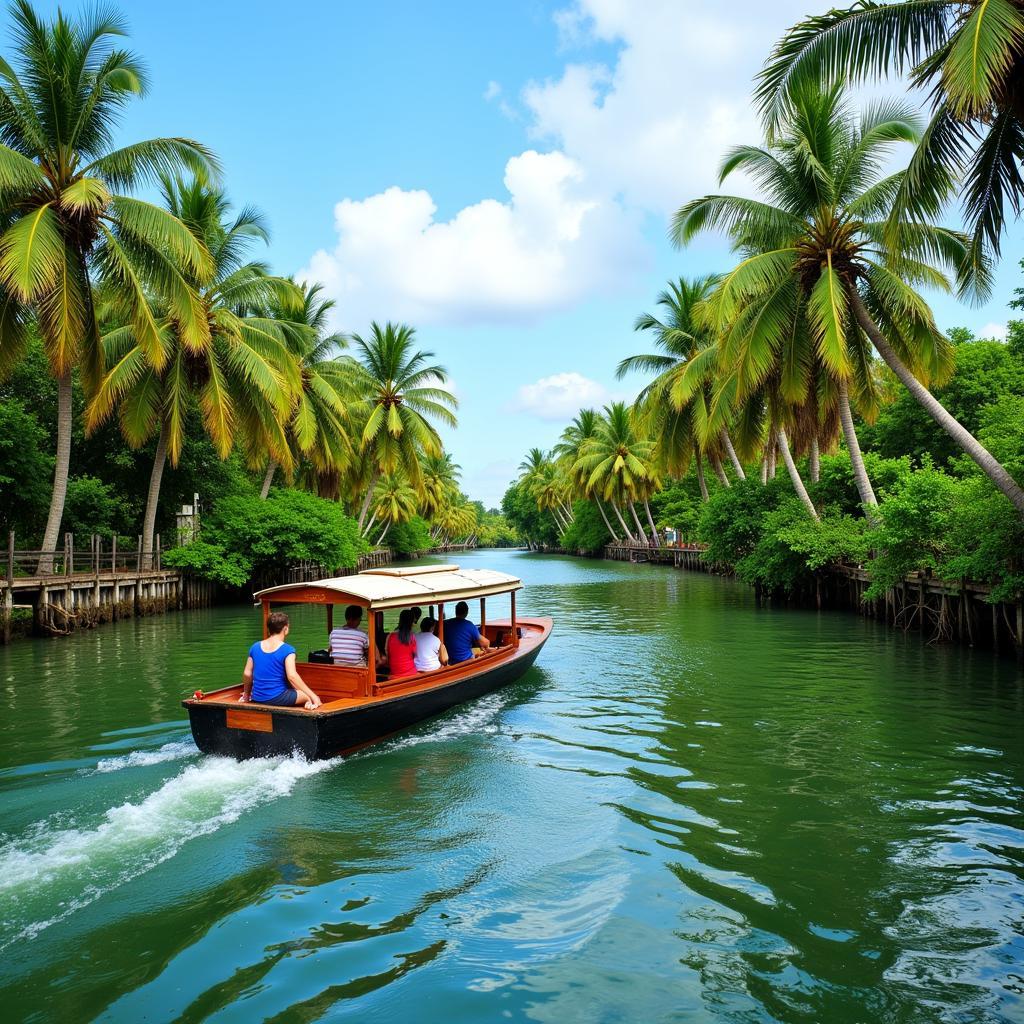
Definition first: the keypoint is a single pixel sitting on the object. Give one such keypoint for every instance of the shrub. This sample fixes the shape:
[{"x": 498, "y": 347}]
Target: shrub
[
  {"x": 406, "y": 539},
  {"x": 587, "y": 532}
]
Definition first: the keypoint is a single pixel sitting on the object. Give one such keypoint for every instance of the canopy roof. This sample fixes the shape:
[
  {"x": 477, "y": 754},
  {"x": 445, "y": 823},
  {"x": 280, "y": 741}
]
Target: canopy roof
[{"x": 397, "y": 588}]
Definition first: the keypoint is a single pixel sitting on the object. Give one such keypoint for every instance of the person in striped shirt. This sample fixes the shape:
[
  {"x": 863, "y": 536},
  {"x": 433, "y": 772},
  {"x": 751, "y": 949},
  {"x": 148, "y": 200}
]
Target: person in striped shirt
[{"x": 349, "y": 645}]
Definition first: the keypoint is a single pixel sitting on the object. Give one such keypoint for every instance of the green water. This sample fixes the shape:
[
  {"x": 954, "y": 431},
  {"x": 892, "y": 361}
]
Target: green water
[{"x": 690, "y": 810}]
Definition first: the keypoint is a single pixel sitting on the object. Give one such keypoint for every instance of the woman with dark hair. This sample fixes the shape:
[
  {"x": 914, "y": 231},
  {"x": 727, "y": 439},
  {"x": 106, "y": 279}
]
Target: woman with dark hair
[
  {"x": 402, "y": 647},
  {"x": 270, "y": 675},
  {"x": 430, "y": 652}
]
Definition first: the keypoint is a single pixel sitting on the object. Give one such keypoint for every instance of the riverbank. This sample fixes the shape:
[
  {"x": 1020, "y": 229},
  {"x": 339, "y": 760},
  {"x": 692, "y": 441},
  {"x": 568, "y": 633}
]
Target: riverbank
[{"x": 941, "y": 611}]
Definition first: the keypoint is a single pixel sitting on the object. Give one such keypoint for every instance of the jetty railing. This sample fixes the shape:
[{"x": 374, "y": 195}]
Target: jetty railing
[{"x": 104, "y": 556}]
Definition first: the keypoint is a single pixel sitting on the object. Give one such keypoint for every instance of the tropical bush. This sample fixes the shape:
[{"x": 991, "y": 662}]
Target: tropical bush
[
  {"x": 587, "y": 532},
  {"x": 410, "y": 537}
]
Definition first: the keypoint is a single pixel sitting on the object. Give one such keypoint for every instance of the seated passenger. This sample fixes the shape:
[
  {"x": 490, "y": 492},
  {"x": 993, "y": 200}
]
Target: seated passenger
[
  {"x": 402, "y": 647},
  {"x": 460, "y": 634},
  {"x": 349, "y": 644},
  {"x": 431, "y": 654},
  {"x": 270, "y": 668}
]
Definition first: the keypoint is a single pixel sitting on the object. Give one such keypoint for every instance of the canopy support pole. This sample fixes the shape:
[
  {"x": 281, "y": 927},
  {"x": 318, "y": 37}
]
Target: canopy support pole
[
  {"x": 330, "y": 619},
  {"x": 371, "y": 655},
  {"x": 515, "y": 632},
  {"x": 440, "y": 622},
  {"x": 266, "y": 615},
  {"x": 483, "y": 613}
]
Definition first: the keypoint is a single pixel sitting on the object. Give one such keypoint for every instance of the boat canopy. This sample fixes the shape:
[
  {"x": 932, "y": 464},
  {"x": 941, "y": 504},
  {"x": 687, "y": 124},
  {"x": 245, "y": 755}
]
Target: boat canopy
[{"x": 377, "y": 589}]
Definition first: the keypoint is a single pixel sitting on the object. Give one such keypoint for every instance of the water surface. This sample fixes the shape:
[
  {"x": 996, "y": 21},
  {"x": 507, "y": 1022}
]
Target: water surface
[{"x": 689, "y": 810}]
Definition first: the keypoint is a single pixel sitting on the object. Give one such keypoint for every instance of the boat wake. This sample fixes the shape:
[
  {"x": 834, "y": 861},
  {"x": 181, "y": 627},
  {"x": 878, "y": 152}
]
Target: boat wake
[
  {"x": 174, "y": 751},
  {"x": 54, "y": 871}
]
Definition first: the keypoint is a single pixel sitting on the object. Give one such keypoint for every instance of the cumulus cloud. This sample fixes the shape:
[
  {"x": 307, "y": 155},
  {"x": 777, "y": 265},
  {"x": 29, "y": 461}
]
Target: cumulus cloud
[
  {"x": 997, "y": 331},
  {"x": 654, "y": 127},
  {"x": 547, "y": 245},
  {"x": 560, "y": 396}
]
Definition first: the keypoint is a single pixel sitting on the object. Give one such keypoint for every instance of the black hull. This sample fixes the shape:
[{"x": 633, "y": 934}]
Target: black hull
[{"x": 335, "y": 733}]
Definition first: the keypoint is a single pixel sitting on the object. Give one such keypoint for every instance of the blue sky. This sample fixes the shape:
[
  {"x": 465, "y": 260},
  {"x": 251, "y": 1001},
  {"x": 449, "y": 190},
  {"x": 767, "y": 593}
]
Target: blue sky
[{"x": 498, "y": 175}]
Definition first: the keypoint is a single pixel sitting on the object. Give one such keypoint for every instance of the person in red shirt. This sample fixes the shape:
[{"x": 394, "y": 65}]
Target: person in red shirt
[{"x": 401, "y": 647}]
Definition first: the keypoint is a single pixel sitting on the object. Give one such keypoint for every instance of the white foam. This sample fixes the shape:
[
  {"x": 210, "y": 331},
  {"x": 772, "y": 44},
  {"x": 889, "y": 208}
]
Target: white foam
[
  {"x": 67, "y": 868},
  {"x": 143, "y": 758}
]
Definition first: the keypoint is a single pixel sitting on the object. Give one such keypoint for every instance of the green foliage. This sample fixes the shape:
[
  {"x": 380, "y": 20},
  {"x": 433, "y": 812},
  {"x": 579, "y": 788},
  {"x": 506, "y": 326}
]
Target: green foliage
[
  {"x": 493, "y": 530},
  {"x": 25, "y": 472},
  {"x": 520, "y": 509},
  {"x": 92, "y": 506},
  {"x": 244, "y": 536},
  {"x": 587, "y": 532},
  {"x": 986, "y": 372},
  {"x": 678, "y": 507},
  {"x": 408, "y": 538}
]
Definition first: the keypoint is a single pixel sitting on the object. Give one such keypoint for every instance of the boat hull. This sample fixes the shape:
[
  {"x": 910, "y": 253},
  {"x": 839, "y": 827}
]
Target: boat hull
[{"x": 336, "y": 733}]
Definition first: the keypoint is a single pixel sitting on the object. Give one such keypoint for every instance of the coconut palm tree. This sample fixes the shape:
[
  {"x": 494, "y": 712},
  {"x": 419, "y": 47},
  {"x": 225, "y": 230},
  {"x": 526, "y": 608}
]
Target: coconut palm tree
[
  {"x": 968, "y": 55},
  {"x": 440, "y": 482},
  {"x": 318, "y": 427},
  {"x": 544, "y": 484},
  {"x": 242, "y": 374},
  {"x": 400, "y": 393},
  {"x": 618, "y": 464},
  {"x": 568, "y": 450},
  {"x": 676, "y": 407},
  {"x": 816, "y": 249},
  {"x": 394, "y": 501},
  {"x": 66, "y": 222}
]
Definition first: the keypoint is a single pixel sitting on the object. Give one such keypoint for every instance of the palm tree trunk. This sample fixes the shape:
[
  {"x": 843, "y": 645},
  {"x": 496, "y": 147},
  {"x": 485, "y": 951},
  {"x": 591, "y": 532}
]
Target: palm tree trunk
[
  {"x": 701, "y": 482},
  {"x": 60, "y": 471},
  {"x": 815, "y": 461},
  {"x": 153, "y": 496},
  {"x": 369, "y": 497},
  {"x": 268, "y": 479},
  {"x": 567, "y": 509},
  {"x": 369, "y": 525},
  {"x": 794, "y": 473},
  {"x": 860, "y": 473},
  {"x": 772, "y": 457},
  {"x": 383, "y": 534},
  {"x": 604, "y": 516},
  {"x": 636, "y": 519},
  {"x": 733, "y": 458},
  {"x": 764, "y": 469},
  {"x": 650, "y": 519},
  {"x": 625, "y": 529},
  {"x": 559, "y": 525},
  {"x": 989, "y": 465},
  {"x": 716, "y": 462}
]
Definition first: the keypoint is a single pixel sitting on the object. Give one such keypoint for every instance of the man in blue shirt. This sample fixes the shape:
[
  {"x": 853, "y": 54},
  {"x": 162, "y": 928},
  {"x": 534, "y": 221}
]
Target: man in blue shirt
[{"x": 460, "y": 634}]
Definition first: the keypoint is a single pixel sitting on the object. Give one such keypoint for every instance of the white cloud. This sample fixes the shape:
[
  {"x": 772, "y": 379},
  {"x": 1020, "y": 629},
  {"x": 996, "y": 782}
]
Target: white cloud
[
  {"x": 997, "y": 331},
  {"x": 560, "y": 396},
  {"x": 550, "y": 243},
  {"x": 493, "y": 90},
  {"x": 654, "y": 127}
]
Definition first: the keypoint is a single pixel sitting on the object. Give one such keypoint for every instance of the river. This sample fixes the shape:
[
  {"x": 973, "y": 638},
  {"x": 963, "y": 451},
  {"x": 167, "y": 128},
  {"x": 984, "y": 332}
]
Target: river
[{"x": 690, "y": 810}]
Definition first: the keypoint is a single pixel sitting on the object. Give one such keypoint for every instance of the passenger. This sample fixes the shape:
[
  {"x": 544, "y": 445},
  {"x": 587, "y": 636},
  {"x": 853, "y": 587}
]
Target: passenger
[
  {"x": 349, "y": 644},
  {"x": 417, "y": 614},
  {"x": 460, "y": 634},
  {"x": 271, "y": 667},
  {"x": 431, "y": 654},
  {"x": 402, "y": 647}
]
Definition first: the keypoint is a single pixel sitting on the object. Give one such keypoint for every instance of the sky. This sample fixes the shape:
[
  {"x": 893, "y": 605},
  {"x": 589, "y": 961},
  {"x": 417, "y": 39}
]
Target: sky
[{"x": 499, "y": 176}]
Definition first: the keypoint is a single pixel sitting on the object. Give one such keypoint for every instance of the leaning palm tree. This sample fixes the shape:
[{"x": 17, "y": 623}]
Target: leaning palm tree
[
  {"x": 400, "y": 393},
  {"x": 318, "y": 427},
  {"x": 538, "y": 474},
  {"x": 618, "y": 464},
  {"x": 394, "y": 501},
  {"x": 568, "y": 450},
  {"x": 66, "y": 223},
  {"x": 242, "y": 374},
  {"x": 676, "y": 407},
  {"x": 816, "y": 248},
  {"x": 440, "y": 481},
  {"x": 968, "y": 54}
]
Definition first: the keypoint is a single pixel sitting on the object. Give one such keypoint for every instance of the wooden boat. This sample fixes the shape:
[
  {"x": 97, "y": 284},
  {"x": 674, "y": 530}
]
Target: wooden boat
[{"x": 361, "y": 704}]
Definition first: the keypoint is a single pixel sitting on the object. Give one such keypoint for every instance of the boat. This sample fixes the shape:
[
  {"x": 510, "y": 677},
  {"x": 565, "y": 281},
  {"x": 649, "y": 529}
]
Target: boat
[{"x": 361, "y": 704}]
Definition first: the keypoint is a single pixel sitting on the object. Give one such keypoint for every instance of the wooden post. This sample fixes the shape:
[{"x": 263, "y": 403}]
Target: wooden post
[
  {"x": 330, "y": 620},
  {"x": 156, "y": 549},
  {"x": 440, "y": 622},
  {"x": 10, "y": 559},
  {"x": 483, "y": 613},
  {"x": 515, "y": 632},
  {"x": 8, "y": 611},
  {"x": 371, "y": 654},
  {"x": 138, "y": 555},
  {"x": 113, "y": 554},
  {"x": 266, "y": 615},
  {"x": 69, "y": 554}
]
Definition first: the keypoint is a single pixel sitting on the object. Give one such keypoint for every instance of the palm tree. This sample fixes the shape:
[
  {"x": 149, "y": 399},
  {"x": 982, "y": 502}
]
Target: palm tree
[
  {"x": 817, "y": 252},
  {"x": 440, "y": 482},
  {"x": 243, "y": 373},
  {"x": 317, "y": 429},
  {"x": 401, "y": 392},
  {"x": 676, "y": 406},
  {"x": 568, "y": 450},
  {"x": 541, "y": 479},
  {"x": 968, "y": 54},
  {"x": 618, "y": 464},
  {"x": 66, "y": 223},
  {"x": 394, "y": 501}
]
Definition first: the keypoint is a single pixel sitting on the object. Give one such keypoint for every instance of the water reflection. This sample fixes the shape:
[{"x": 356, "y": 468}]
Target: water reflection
[{"x": 693, "y": 809}]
